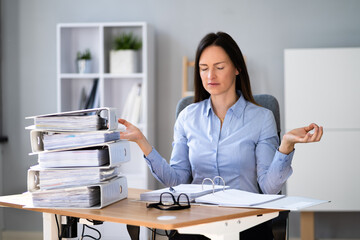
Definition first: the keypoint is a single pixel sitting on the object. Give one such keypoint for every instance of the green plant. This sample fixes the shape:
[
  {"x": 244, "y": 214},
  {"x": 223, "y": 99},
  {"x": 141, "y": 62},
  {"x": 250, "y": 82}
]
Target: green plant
[
  {"x": 127, "y": 41},
  {"x": 86, "y": 55}
]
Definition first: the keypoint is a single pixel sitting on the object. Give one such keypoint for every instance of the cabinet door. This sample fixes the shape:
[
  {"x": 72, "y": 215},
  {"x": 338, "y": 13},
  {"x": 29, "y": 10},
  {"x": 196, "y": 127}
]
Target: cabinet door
[
  {"x": 322, "y": 86},
  {"x": 328, "y": 170}
]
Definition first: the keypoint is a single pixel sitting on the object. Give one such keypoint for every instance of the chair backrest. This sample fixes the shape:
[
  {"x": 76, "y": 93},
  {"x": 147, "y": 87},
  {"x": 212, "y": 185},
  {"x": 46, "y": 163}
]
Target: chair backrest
[{"x": 264, "y": 100}]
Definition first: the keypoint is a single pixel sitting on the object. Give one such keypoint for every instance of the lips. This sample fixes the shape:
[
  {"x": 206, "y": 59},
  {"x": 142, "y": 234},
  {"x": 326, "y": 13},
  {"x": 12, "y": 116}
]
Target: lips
[{"x": 213, "y": 84}]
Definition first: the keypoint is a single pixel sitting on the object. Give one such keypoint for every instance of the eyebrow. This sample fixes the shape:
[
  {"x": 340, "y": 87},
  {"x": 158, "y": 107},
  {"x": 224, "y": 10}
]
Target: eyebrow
[{"x": 204, "y": 64}]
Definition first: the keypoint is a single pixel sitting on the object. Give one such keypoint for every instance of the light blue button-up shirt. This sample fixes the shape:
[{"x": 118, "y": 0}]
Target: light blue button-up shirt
[{"x": 243, "y": 151}]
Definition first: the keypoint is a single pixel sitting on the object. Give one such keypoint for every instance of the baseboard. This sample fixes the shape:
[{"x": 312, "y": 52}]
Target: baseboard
[{"x": 16, "y": 235}]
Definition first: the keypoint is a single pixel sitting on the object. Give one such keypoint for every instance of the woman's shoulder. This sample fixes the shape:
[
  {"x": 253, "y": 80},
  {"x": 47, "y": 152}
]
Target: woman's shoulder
[
  {"x": 257, "y": 110},
  {"x": 193, "y": 109}
]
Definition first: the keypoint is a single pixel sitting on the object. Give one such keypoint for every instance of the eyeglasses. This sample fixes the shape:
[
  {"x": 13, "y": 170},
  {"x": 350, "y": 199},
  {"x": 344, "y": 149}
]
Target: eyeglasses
[{"x": 168, "y": 202}]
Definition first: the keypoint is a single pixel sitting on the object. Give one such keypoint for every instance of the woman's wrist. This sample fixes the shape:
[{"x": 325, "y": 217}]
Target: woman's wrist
[
  {"x": 286, "y": 147},
  {"x": 144, "y": 145}
]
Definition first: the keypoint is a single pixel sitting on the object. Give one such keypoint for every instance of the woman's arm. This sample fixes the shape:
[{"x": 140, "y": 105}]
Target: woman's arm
[
  {"x": 274, "y": 167},
  {"x": 169, "y": 175},
  {"x": 134, "y": 134}
]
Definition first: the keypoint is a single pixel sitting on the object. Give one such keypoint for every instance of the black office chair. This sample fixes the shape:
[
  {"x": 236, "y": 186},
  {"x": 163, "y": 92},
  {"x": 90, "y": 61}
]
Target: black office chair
[{"x": 280, "y": 223}]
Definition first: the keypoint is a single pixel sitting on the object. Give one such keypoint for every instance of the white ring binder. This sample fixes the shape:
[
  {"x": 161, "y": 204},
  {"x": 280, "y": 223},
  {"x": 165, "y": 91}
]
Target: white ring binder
[{"x": 213, "y": 182}]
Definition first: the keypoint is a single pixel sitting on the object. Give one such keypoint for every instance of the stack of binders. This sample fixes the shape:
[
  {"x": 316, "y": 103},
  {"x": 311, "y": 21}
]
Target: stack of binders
[{"x": 79, "y": 155}]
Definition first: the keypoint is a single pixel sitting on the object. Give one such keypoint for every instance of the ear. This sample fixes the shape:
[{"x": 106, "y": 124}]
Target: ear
[{"x": 237, "y": 72}]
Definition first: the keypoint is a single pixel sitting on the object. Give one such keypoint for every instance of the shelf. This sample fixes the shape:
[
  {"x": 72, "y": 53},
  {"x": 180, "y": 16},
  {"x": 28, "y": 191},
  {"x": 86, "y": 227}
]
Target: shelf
[
  {"x": 112, "y": 89},
  {"x": 131, "y": 75},
  {"x": 79, "y": 76}
]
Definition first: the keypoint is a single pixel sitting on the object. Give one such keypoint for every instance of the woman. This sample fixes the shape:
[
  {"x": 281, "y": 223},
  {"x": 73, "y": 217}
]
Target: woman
[{"x": 225, "y": 133}]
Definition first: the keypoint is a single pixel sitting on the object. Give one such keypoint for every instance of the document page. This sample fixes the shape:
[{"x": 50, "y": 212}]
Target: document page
[{"x": 236, "y": 198}]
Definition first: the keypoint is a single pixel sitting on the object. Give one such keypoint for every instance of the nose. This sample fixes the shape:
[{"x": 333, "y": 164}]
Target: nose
[{"x": 211, "y": 73}]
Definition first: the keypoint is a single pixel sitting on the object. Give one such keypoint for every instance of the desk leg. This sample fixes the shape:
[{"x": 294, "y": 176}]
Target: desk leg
[
  {"x": 307, "y": 226},
  {"x": 50, "y": 230}
]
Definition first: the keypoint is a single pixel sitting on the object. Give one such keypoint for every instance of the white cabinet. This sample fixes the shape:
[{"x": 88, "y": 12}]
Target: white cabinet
[
  {"x": 113, "y": 89},
  {"x": 322, "y": 86}
]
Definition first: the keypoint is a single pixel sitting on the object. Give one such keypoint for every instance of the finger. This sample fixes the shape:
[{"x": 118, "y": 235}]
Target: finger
[
  {"x": 321, "y": 131},
  {"x": 315, "y": 134},
  {"x": 306, "y": 138},
  {"x": 310, "y": 127},
  {"x": 123, "y": 122}
]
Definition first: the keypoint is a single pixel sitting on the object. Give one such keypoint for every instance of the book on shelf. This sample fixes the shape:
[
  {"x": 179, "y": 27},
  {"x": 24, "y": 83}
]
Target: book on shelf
[
  {"x": 106, "y": 154},
  {"x": 50, "y": 178},
  {"x": 83, "y": 98},
  {"x": 132, "y": 106},
  {"x": 92, "y": 100},
  {"x": 81, "y": 120},
  {"x": 50, "y": 140},
  {"x": 89, "y": 196}
]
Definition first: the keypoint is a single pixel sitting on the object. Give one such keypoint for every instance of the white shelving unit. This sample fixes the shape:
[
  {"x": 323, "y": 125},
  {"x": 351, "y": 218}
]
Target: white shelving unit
[{"x": 113, "y": 88}]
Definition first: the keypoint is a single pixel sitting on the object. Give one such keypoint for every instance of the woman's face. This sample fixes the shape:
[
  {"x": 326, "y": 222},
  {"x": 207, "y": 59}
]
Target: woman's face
[{"x": 217, "y": 72}]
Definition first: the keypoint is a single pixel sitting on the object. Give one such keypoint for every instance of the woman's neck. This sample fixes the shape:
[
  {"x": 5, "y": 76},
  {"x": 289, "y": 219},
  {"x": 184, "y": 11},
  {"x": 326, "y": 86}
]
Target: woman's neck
[{"x": 222, "y": 103}]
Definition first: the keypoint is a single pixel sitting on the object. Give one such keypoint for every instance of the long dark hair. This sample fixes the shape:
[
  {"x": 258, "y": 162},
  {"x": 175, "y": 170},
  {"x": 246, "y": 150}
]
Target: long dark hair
[{"x": 226, "y": 42}]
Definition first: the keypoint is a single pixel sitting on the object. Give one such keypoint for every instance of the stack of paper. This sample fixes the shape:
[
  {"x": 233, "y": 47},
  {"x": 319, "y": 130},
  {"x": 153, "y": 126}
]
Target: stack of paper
[
  {"x": 71, "y": 123},
  {"x": 79, "y": 155},
  {"x": 57, "y": 140},
  {"x": 79, "y": 197},
  {"x": 48, "y": 178},
  {"x": 92, "y": 196},
  {"x": 89, "y": 157}
]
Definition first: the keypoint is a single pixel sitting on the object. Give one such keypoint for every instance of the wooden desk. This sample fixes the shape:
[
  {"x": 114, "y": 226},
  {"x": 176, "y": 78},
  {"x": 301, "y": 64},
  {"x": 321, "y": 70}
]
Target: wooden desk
[{"x": 214, "y": 222}]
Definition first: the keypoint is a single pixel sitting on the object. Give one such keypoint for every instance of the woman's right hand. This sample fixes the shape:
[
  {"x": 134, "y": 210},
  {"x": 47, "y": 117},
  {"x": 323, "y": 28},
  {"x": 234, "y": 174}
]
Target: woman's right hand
[{"x": 134, "y": 134}]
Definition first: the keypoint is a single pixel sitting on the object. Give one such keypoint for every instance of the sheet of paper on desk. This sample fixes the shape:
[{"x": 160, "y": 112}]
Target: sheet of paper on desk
[
  {"x": 236, "y": 198},
  {"x": 292, "y": 203}
]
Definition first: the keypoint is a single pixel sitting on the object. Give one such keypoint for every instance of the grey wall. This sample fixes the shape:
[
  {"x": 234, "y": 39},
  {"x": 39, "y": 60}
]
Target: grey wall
[{"x": 262, "y": 28}]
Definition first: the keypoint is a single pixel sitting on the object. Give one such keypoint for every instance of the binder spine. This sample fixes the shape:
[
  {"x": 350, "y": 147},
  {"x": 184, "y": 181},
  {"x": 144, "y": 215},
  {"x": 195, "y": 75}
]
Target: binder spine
[
  {"x": 112, "y": 121},
  {"x": 36, "y": 141},
  {"x": 119, "y": 152},
  {"x": 114, "y": 191}
]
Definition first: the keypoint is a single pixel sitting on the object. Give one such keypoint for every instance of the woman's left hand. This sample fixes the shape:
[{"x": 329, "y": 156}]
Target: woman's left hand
[{"x": 300, "y": 135}]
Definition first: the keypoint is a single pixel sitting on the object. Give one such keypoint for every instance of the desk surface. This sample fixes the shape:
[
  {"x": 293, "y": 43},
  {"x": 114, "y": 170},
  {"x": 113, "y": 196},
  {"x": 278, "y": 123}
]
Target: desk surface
[{"x": 132, "y": 211}]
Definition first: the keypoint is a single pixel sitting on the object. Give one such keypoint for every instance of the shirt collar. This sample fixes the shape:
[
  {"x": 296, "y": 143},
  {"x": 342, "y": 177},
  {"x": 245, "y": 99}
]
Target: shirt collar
[{"x": 238, "y": 108}]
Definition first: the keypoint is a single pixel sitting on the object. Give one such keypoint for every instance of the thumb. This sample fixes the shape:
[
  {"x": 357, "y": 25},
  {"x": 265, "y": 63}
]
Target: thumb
[{"x": 123, "y": 122}]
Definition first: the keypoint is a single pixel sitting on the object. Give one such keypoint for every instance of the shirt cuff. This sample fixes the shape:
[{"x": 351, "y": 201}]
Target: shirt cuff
[
  {"x": 153, "y": 160},
  {"x": 285, "y": 158}
]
